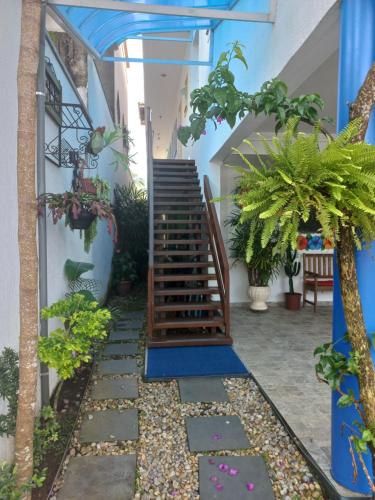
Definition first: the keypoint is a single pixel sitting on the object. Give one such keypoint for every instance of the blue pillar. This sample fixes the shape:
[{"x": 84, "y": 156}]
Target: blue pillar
[{"x": 356, "y": 55}]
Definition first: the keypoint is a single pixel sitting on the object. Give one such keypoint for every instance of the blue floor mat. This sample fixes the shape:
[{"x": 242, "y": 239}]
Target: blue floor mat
[{"x": 180, "y": 362}]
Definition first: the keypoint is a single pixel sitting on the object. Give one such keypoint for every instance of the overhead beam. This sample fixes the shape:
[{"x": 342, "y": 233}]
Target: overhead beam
[
  {"x": 168, "y": 10},
  {"x": 178, "y": 62}
]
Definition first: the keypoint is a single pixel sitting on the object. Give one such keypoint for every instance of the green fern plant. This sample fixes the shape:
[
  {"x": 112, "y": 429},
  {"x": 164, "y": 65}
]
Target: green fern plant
[{"x": 335, "y": 182}]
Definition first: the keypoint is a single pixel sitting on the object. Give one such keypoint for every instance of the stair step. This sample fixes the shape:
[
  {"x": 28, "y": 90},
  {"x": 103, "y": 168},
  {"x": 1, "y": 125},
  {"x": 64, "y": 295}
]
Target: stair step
[
  {"x": 163, "y": 278},
  {"x": 173, "y": 187},
  {"x": 159, "y": 222},
  {"x": 178, "y": 197},
  {"x": 165, "y": 292},
  {"x": 177, "y": 231},
  {"x": 178, "y": 182},
  {"x": 165, "y": 253},
  {"x": 183, "y": 265},
  {"x": 188, "y": 306},
  {"x": 172, "y": 161},
  {"x": 179, "y": 212},
  {"x": 179, "y": 203},
  {"x": 183, "y": 340},
  {"x": 181, "y": 242},
  {"x": 188, "y": 323}
]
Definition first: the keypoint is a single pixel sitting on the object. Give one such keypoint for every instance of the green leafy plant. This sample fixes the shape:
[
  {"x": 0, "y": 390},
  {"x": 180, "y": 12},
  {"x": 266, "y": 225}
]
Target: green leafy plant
[
  {"x": 82, "y": 323},
  {"x": 73, "y": 205},
  {"x": 9, "y": 490},
  {"x": 102, "y": 138},
  {"x": 131, "y": 211},
  {"x": 220, "y": 100},
  {"x": 73, "y": 271},
  {"x": 46, "y": 434},
  {"x": 9, "y": 380},
  {"x": 332, "y": 368},
  {"x": 335, "y": 182},
  {"x": 123, "y": 268},
  {"x": 264, "y": 264},
  {"x": 291, "y": 267}
]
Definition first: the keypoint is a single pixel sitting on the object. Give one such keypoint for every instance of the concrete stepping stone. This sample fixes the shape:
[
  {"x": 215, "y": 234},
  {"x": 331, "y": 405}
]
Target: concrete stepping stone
[
  {"x": 131, "y": 324},
  {"x": 109, "y": 425},
  {"x": 202, "y": 390},
  {"x": 123, "y": 335},
  {"x": 123, "y": 388},
  {"x": 216, "y": 433},
  {"x": 117, "y": 367},
  {"x": 226, "y": 478},
  {"x": 132, "y": 315},
  {"x": 95, "y": 478},
  {"x": 120, "y": 349}
]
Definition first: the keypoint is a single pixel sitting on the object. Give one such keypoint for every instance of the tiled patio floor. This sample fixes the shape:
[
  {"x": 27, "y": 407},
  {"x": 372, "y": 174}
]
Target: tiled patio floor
[{"x": 277, "y": 347}]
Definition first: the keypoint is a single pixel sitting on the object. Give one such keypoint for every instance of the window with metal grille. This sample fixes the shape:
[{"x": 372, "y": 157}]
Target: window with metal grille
[{"x": 53, "y": 94}]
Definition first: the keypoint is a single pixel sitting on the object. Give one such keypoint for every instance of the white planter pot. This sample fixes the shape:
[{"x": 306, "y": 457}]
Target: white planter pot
[{"x": 258, "y": 297}]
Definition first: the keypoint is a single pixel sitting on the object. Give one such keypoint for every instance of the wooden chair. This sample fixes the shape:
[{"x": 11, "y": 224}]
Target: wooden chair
[{"x": 317, "y": 274}]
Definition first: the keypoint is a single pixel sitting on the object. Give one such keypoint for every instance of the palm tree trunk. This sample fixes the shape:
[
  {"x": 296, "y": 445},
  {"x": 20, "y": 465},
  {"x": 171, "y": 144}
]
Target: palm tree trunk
[
  {"x": 360, "y": 108},
  {"x": 355, "y": 322},
  {"x": 27, "y": 242}
]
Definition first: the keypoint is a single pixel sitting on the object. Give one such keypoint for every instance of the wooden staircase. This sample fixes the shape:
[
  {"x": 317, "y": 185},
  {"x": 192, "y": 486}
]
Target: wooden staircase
[{"x": 188, "y": 279}]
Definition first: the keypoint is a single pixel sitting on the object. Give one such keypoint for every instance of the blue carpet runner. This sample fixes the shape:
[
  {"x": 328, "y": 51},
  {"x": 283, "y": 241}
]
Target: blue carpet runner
[{"x": 180, "y": 362}]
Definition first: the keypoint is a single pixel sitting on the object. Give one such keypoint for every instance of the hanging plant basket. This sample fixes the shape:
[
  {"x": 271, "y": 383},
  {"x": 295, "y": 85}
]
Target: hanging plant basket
[{"x": 83, "y": 221}]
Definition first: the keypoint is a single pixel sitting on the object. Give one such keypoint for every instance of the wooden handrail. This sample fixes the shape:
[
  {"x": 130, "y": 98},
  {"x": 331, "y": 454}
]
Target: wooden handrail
[
  {"x": 219, "y": 254},
  {"x": 150, "y": 189}
]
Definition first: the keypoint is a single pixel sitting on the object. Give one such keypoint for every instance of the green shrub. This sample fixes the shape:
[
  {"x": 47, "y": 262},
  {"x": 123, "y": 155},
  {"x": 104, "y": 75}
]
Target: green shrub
[
  {"x": 8, "y": 486},
  {"x": 131, "y": 212},
  {"x": 67, "y": 347},
  {"x": 9, "y": 377}
]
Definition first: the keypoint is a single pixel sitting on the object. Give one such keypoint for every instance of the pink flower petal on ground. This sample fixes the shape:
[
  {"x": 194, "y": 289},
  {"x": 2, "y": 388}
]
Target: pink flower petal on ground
[
  {"x": 233, "y": 471},
  {"x": 174, "y": 493},
  {"x": 224, "y": 467},
  {"x": 219, "y": 487},
  {"x": 217, "y": 437},
  {"x": 211, "y": 461},
  {"x": 214, "y": 479},
  {"x": 249, "y": 486}
]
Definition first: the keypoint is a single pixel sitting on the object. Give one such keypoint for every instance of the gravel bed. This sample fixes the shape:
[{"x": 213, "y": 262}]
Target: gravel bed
[{"x": 165, "y": 467}]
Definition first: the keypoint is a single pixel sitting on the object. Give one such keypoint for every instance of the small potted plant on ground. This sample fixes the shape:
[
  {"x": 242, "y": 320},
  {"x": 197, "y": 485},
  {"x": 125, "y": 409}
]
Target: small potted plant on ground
[
  {"x": 262, "y": 265},
  {"x": 292, "y": 269},
  {"x": 124, "y": 273}
]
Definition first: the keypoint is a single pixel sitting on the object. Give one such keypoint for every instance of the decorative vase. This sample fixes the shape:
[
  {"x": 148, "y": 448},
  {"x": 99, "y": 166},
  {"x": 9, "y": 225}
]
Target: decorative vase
[
  {"x": 258, "y": 297},
  {"x": 124, "y": 287},
  {"x": 83, "y": 221},
  {"x": 293, "y": 301}
]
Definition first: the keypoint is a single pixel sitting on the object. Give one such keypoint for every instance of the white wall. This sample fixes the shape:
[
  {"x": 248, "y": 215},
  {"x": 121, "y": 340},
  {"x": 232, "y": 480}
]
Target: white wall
[{"x": 9, "y": 264}]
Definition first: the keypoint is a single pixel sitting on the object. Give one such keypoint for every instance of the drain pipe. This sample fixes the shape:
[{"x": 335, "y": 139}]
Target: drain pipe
[{"x": 41, "y": 188}]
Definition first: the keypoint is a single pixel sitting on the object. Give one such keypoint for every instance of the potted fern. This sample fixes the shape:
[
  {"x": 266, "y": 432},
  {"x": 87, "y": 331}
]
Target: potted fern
[
  {"x": 124, "y": 273},
  {"x": 292, "y": 269}
]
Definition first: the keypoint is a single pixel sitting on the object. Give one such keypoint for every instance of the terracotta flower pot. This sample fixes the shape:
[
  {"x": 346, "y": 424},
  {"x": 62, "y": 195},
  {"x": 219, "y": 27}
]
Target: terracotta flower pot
[
  {"x": 83, "y": 221},
  {"x": 293, "y": 301},
  {"x": 88, "y": 186},
  {"x": 124, "y": 287},
  {"x": 258, "y": 297}
]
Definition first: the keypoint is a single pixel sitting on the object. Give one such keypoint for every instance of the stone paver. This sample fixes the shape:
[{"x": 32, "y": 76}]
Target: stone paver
[
  {"x": 202, "y": 390},
  {"x": 96, "y": 478},
  {"x": 123, "y": 335},
  {"x": 118, "y": 367},
  {"x": 229, "y": 478},
  {"x": 130, "y": 324},
  {"x": 109, "y": 425},
  {"x": 120, "y": 350},
  {"x": 123, "y": 388},
  {"x": 216, "y": 433},
  {"x": 133, "y": 315}
]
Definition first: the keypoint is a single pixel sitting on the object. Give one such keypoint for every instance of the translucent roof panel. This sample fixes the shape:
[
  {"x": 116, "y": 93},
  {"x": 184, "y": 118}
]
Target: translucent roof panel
[{"x": 100, "y": 29}]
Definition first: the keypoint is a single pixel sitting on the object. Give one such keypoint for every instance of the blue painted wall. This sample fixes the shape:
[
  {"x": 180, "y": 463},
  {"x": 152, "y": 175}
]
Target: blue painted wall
[{"x": 357, "y": 54}]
